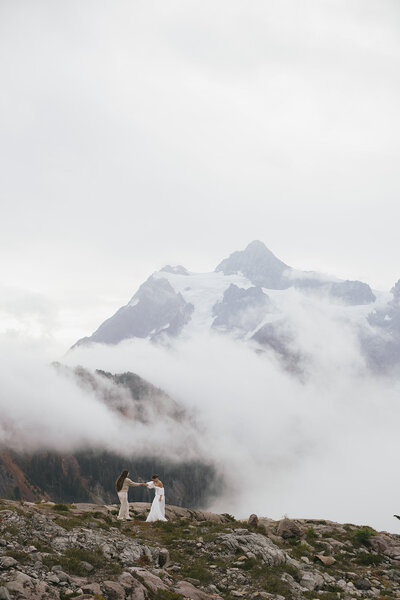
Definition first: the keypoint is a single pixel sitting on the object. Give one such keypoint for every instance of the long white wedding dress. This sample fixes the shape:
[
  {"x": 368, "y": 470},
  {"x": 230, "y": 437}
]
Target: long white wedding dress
[{"x": 157, "y": 511}]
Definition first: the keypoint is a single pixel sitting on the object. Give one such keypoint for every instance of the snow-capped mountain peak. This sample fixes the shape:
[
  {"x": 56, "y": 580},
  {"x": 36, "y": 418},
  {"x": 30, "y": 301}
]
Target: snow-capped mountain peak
[{"x": 245, "y": 297}]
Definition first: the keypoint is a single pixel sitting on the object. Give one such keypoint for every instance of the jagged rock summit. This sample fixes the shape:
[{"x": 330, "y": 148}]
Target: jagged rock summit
[
  {"x": 56, "y": 551},
  {"x": 259, "y": 265},
  {"x": 246, "y": 297}
]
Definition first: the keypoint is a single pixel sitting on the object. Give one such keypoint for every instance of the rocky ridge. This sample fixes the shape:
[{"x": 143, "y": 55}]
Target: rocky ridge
[{"x": 57, "y": 551}]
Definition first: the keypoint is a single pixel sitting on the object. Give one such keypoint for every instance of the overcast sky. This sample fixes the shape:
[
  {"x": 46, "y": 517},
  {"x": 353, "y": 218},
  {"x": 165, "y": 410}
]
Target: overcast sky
[{"x": 135, "y": 134}]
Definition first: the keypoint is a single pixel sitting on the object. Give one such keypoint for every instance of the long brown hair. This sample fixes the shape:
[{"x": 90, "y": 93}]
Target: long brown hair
[{"x": 120, "y": 481}]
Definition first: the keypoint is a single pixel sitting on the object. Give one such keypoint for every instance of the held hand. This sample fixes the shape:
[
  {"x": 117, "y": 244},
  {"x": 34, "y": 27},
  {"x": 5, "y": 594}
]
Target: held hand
[{"x": 160, "y": 499}]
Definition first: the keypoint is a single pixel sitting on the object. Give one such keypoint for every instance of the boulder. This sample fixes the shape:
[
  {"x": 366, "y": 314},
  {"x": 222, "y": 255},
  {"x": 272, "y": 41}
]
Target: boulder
[
  {"x": 189, "y": 591},
  {"x": 114, "y": 590},
  {"x": 163, "y": 557},
  {"x": 326, "y": 560},
  {"x": 288, "y": 529},
  {"x": 91, "y": 588},
  {"x": 311, "y": 581},
  {"x": 22, "y": 585},
  {"x": 4, "y": 594},
  {"x": 253, "y": 520},
  {"x": 6, "y": 562},
  {"x": 363, "y": 583},
  {"x": 149, "y": 579},
  {"x": 255, "y": 544}
]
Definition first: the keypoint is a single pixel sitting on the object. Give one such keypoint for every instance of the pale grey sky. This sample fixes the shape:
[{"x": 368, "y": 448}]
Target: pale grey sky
[{"x": 135, "y": 134}]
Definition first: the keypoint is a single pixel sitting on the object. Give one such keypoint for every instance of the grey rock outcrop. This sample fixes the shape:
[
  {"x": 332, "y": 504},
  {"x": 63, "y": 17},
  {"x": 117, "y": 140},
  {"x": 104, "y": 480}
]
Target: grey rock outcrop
[
  {"x": 241, "y": 309},
  {"x": 253, "y": 544},
  {"x": 258, "y": 264},
  {"x": 155, "y": 310},
  {"x": 288, "y": 529}
]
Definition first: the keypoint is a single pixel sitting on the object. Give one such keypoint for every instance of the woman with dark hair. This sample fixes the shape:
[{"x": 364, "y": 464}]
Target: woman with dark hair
[
  {"x": 122, "y": 486},
  {"x": 157, "y": 511}
]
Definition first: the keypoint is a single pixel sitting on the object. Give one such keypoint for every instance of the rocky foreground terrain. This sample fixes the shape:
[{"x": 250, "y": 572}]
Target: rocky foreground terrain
[{"x": 58, "y": 551}]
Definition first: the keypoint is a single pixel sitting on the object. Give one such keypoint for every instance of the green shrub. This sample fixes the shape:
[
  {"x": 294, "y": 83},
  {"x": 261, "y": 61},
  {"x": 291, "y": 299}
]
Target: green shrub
[
  {"x": 293, "y": 571},
  {"x": 229, "y": 517},
  {"x": 144, "y": 560},
  {"x": 51, "y": 560},
  {"x": 41, "y": 546},
  {"x": 73, "y": 559},
  {"x": 21, "y": 557},
  {"x": 198, "y": 572},
  {"x": 310, "y": 534},
  {"x": 366, "y": 558},
  {"x": 167, "y": 595},
  {"x": 362, "y": 535},
  {"x": 248, "y": 564},
  {"x": 299, "y": 550},
  {"x": 95, "y": 557},
  {"x": 64, "y": 596},
  {"x": 275, "y": 585},
  {"x": 61, "y": 507},
  {"x": 68, "y": 524}
]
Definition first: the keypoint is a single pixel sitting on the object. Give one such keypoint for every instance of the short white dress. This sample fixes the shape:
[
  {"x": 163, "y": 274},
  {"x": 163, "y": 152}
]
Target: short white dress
[{"x": 157, "y": 511}]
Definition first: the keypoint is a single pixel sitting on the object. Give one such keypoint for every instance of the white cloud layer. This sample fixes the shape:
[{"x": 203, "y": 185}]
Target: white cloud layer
[{"x": 319, "y": 447}]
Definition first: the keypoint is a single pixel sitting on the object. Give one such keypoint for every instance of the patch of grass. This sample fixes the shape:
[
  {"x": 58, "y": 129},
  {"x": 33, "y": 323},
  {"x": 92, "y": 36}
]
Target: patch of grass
[
  {"x": 274, "y": 584},
  {"x": 41, "y": 547},
  {"x": 333, "y": 588},
  {"x": 362, "y": 535},
  {"x": 51, "y": 560},
  {"x": 140, "y": 516},
  {"x": 68, "y": 524},
  {"x": 249, "y": 564},
  {"x": 366, "y": 558},
  {"x": 167, "y": 595},
  {"x": 11, "y": 530},
  {"x": 97, "y": 514},
  {"x": 61, "y": 508},
  {"x": 229, "y": 517},
  {"x": 271, "y": 577},
  {"x": 95, "y": 557},
  {"x": 311, "y": 535},
  {"x": 299, "y": 550},
  {"x": 21, "y": 557},
  {"x": 317, "y": 521},
  {"x": 293, "y": 571},
  {"x": 73, "y": 559},
  {"x": 64, "y": 596},
  {"x": 318, "y": 596},
  {"x": 15, "y": 509},
  {"x": 327, "y": 534},
  {"x": 198, "y": 571}
]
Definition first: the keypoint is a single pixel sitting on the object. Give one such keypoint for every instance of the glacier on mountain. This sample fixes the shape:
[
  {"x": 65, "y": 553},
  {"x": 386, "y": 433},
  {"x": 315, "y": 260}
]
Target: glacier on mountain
[{"x": 247, "y": 297}]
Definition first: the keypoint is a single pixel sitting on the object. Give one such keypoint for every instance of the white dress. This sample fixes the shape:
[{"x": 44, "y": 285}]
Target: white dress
[{"x": 157, "y": 511}]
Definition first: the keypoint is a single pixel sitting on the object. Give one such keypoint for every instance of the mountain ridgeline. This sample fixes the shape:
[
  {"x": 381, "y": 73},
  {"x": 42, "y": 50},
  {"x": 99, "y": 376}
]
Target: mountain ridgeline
[
  {"x": 245, "y": 297},
  {"x": 89, "y": 474}
]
